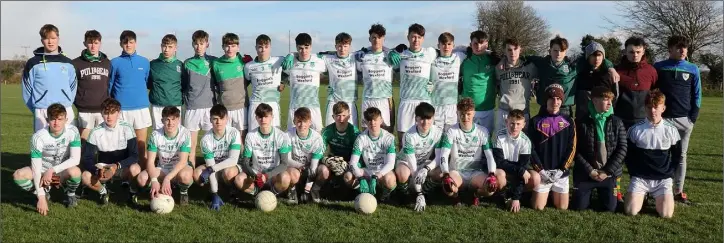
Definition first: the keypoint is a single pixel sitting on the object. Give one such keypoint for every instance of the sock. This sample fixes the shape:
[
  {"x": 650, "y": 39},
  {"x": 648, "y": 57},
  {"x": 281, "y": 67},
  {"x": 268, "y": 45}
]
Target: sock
[
  {"x": 71, "y": 185},
  {"x": 103, "y": 190},
  {"x": 132, "y": 187},
  {"x": 430, "y": 185},
  {"x": 386, "y": 192},
  {"x": 184, "y": 188},
  {"x": 402, "y": 186},
  {"x": 26, "y": 185}
]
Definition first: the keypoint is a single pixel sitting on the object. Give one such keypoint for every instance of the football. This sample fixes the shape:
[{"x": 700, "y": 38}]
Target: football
[
  {"x": 162, "y": 204},
  {"x": 266, "y": 201},
  {"x": 365, "y": 203}
]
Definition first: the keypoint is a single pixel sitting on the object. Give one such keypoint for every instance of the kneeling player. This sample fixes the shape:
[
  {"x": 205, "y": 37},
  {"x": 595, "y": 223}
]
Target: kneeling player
[
  {"x": 171, "y": 144},
  {"x": 340, "y": 138},
  {"x": 54, "y": 157},
  {"x": 461, "y": 160},
  {"x": 419, "y": 147},
  {"x": 377, "y": 149},
  {"x": 221, "y": 147},
  {"x": 511, "y": 149},
  {"x": 307, "y": 150},
  {"x": 117, "y": 153}
]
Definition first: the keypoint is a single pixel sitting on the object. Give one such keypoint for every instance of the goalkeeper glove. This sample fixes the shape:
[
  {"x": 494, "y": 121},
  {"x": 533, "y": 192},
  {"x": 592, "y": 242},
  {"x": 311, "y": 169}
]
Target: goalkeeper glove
[
  {"x": 259, "y": 180},
  {"x": 447, "y": 183},
  {"x": 373, "y": 184},
  {"x": 247, "y": 59},
  {"x": 288, "y": 62},
  {"x": 492, "y": 182},
  {"x": 205, "y": 174},
  {"x": 394, "y": 58},
  {"x": 216, "y": 202},
  {"x": 421, "y": 176},
  {"x": 363, "y": 186},
  {"x": 556, "y": 175}
]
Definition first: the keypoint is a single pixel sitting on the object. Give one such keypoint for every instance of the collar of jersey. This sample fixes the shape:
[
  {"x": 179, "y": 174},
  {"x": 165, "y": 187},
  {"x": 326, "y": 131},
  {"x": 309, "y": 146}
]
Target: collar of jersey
[
  {"x": 651, "y": 123},
  {"x": 108, "y": 127},
  {"x": 256, "y": 59},
  {"x": 419, "y": 133},
  {"x": 214, "y": 135},
  {"x": 177, "y": 132},
  {"x": 471, "y": 130},
  {"x": 374, "y": 139},
  {"x": 51, "y": 134},
  {"x": 265, "y": 136},
  {"x": 343, "y": 132},
  {"x": 309, "y": 134}
]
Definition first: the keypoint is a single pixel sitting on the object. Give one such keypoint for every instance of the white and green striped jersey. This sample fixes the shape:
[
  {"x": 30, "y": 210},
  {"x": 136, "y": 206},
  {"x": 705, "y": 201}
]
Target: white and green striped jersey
[
  {"x": 512, "y": 147},
  {"x": 307, "y": 148},
  {"x": 53, "y": 150},
  {"x": 423, "y": 147},
  {"x": 218, "y": 147},
  {"x": 167, "y": 149},
  {"x": 265, "y": 78},
  {"x": 445, "y": 75},
  {"x": 415, "y": 74},
  {"x": 374, "y": 151},
  {"x": 376, "y": 75},
  {"x": 342, "y": 75},
  {"x": 466, "y": 148},
  {"x": 304, "y": 82},
  {"x": 264, "y": 150}
]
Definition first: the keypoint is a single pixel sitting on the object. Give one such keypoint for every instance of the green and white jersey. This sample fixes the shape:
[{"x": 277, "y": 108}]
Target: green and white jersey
[
  {"x": 512, "y": 147},
  {"x": 466, "y": 148},
  {"x": 445, "y": 79},
  {"x": 53, "y": 150},
  {"x": 373, "y": 151},
  {"x": 415, "y": 74},
  {"x": 304, "y": 82},
  {"x": 167, "y": 149},
  {"x": 342, "y": 75},
  {"x": 307, "y": 148},
  {"x": 264, "y": 150},
  {"x": 265, "y": 78},
  {"x": 218, "y": 148},
  {"x": 376, "y": 75},
  {"x": 423, "y": 147}
]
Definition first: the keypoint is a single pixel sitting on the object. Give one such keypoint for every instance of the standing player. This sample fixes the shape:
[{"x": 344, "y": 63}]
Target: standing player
[
  {"x": 304, "y": 72},
  {"x": 376, "y": 148},
  {"x": 48, "y": 78},
  {"x": 230, "y": 84},
  {"x": 265, "y": 75},
  {"x": 478, "y": 79},
  {"x": 511, "y": 149},
  {"x": 171, "y": 145},
  {"x": 307, "y": 150},
  {"x": 339, "y": 137},
  {"x": 420, "y": 146},
  {"x": 164, "y": 80},
  {"x": 91, "y": 68},
  {"x": 637, "y": 79},
  {"x": 445, "y": 78},
  {"x": 54, "y": 157},
  {"x": 341, "y": 69},
  {"x": 590, "y": 76},
  {"x": 514, "y": 76}
]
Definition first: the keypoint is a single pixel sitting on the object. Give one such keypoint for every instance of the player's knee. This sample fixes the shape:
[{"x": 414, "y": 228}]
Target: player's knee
[
  {"x": 185, "y": 176},
  {"x": 534, "y": 178},
  {"x": 322, "y": 172},
  {"x": 134, "y": 169},
  {"x": 293, "y": 175},
  {"x": 22, "y": 174},
  {"x": 229, "y": 174},
  {"x": 85, "y": 178},
  {"x": 539, "y": 206},
  {"x": 348, "y": 179},
  {"x": 142, "y": 177},
  {"x": 74, "y": 171},
  {"x": 390, "y": 180}
]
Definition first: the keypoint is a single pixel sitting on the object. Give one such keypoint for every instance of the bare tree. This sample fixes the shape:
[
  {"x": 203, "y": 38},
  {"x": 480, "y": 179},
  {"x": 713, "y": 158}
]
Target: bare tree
[
  {"x": 656, "y": 21},
  {"x": 513, "y": 19}
]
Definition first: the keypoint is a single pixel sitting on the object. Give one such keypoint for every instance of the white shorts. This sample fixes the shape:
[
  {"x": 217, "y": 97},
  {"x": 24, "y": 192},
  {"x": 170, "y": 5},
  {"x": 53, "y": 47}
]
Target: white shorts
[
  {"x": 500, "y": 117},
  {"x": 485, "y": 119},
  {"x": 406, "y": 114},
  {"x": 276, "y": 119},
  {"x": 271, "y": 172},
  {"x": 406, "y": 163},
  {"x": 156, "y": 112},
  {"x": 381, "y": 104},
  {"x": 237, "y": 119},
  {"x": 330, "y": 112},
  {"x": 88, "y": 120},
  {"x": 41, "y": 115},
  {"x": 198, "y": 119},
  {"x": 138, "y": 118},
  {"x": 560, "y": 186},
  {"x": 468, "y": 176},
  {"x": 654, "y": 187},
  {"x": 446, "y": 115},
  {"x": 166, "y": 170},
  {"x": 316, "y": 119}
]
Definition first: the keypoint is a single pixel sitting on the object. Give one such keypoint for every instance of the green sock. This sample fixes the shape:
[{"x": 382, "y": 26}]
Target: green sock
[
  {"x": 402, "y": 187},
  {"x": 430, "y": 185},
  {"x": 71, "y": 185},
  {"x": 184, "y": 188},
  {"x": 26, "y": 185}
]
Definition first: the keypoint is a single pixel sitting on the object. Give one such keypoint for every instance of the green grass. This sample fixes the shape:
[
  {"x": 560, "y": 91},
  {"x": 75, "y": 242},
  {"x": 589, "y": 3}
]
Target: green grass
[{"x": 338, "y": 221}]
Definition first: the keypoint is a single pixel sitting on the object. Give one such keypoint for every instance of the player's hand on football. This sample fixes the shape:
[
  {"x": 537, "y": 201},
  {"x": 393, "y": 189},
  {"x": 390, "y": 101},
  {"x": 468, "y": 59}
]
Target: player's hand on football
[
  {"x": 515, "y": 206},
  {"x": 421, "y": 176},
  {"x": 492, "y": 182},
  {"x": 42, "y": 206},
  {"x": 526, "y": 177},
  {"x": 155, "y": 188},
  {"x": 556, "y": 175},
  {"x": 166, "y": 187}
]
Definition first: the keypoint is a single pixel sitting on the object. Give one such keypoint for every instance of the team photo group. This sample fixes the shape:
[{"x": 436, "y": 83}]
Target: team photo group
[{"x": 463, "y": 128}]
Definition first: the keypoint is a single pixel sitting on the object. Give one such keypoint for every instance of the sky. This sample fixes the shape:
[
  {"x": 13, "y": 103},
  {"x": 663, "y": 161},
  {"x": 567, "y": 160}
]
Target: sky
[{"x": 323, "y": 20}]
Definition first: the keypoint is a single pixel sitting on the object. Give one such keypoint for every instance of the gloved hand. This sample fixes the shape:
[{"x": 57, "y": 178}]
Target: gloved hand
[
  {"x": 360, "y": 54},
  {"x": 492, "y": 182},
  {"x": 288, "y": 61},
  {"x": 421, "y": 176},
  {"x": 205, "y": 174},
  {"x": 247, "y": 59},
  {"x": 555, "y": 175},
  {"x": 420, "y": 203},
  {"x": 394, "y": 58},
  {"x": 448, "y": 183},
  {"x": 259, "y": 180},
  {"x": 430, "y": 87},
  {"x": 216, "y": 202},
  {"x": 373, "y": 185},
  {"x": 363, "y": 186},
  {"x": 544, "y": 176}
]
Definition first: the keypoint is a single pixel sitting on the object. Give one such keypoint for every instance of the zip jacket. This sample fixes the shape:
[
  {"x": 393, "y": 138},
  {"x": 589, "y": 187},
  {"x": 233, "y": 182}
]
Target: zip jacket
[{"x": 48, "y": 78}]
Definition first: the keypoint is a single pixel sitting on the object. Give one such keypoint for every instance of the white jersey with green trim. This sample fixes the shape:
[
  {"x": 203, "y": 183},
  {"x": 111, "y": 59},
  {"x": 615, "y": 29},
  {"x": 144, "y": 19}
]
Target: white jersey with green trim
[
  {"x": 376, "y": 75},
  {"x": 342, "y": 75},
  {"x": 304, "y": 81},
  {"x": 423, "y": 147},
  {"x": 53, "y": 150},
  {"x": 374, "y": 151},
  {"x": 167, "y": 149},
  {"x": 264, "y": 150},
  {"x": 466, "y": 148},
  {"x": 308, "y": 148},
  {"x": 512, "y": 147},
  {"x": 415, "y": 74},
  {"x": 445, "y": 78},
  {"x": 265, "y": 78},
  {"x": 218, "y": 148}
]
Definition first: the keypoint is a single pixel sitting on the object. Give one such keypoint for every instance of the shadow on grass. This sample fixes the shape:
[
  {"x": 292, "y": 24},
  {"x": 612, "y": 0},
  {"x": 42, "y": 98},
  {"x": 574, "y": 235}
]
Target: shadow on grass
[{"x": 338, "y": 207}]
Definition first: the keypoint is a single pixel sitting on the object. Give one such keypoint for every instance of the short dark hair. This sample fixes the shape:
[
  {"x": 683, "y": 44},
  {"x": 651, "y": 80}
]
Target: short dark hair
[
  {"x": 127, "y": 35},
  {"x": 263, "y": 39},
  {"x": 516, "y": 114},
  {"x": 218, "y": 110},
  {"x": 372, "y": 113},
  {"x": 678, "y": 41},
  {"x": 446, "y": 38},
  {"x": 170, "y": 111},
  {"x": 169, "y": 39},
  {"x": 302, "y": 114},
  {"x": 340, "y": 107},
  {"x": 480, "y": 35},
  {"x": 417, "y": 29},
  {"x": 92, "y": 35},
  {"x": 47, "y": 29},
  {"x": 560, "y": 41},
  {"x": 466, "y": 104},
  {"x": 263, "y": 110},
  {"x": 110, "y": 105},
  {"x": 635, "y": 41},
  {"x": 378, "y": 29},
  {"x": 200, "y": 35},
  {"x": 55, "y": 110},
  {"x": 512, "y": 42},
  {"x": 303, "y": 39},
  {"x": 230, "y": 39},
  {"x": 343, "y": 38},
  {"x": 425, "y": 110}
]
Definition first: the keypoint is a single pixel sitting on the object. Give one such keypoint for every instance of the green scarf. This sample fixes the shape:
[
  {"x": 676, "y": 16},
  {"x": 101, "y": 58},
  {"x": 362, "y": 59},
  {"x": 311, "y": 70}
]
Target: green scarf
[
  {"x": 88, "y": 56},
  {"x": 599, "y": 119}
]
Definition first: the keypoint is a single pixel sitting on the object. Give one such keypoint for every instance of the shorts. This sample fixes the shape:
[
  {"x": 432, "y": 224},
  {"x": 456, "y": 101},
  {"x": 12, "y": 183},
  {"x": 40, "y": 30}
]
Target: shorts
[
  {"x": 406, "y": 114},
  {"x": 138, "y": 118},
  {"x": 381, "y": 104},
  {"x": 41, "y": 116},
  {"x": 329, "y": 119},
  {"x": 485, "y": 119},
  {"x": 500, "y": 117},
  {"x": 406, "y": 163},
  {"x": 446, "y": 115},
  {"x": 88, "y": 120},
  {"x": 237, "y": 119},
  {"x": 271, "y": 172},
  {"x": 560, "y": 186},
  {"x": 198, "y": 119},
  {"x": 468, "y": 175},
  {"x": 316, "y": 119},
  {"x": 156, "y": 112},
  {"x": 166, "y": 170},
  {"x": 654, "y": 187},
  {"x": 276, "y": 119}
]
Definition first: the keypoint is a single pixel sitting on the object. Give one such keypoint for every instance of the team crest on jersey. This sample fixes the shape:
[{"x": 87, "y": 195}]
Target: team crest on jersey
[
  {"x": 238, "y": 68},
  {"x": 562, "y": 124},
  {"x": 311, "y": 64},
  {"x": 565, "y": 68},
  {"x": 685, "y": 76},
  {"x": 178, "y": 69}
]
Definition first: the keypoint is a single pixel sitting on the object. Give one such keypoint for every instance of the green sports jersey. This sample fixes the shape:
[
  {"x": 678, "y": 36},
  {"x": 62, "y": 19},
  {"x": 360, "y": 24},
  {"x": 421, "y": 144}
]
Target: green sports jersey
[
  {"x": 374, "y": 150},
  {"x": 342, "y": 75},
  {"x": 376, "y": 74},
  {"x": 304, "y": 150},
  {"x": 218, "y": 148},
  {"x": 478, "y": 78},
  {"x": 340, "y": 143},
  {"x": 167, "y": 149},
  {"x": 229, "y": 76},
  {"x": 304, "y": 81},
  {"x": 265, "y": 150},
  {"x": 164, "y": 82},
  {"x": 53, "y": 150},
  {"x": 415, "y": 74},
  {"x": 422, "y": 147},
  {"x": 445, "y": 79},
  {"x": 466, "y": 148},
  {"x": 265, "y": 78}
]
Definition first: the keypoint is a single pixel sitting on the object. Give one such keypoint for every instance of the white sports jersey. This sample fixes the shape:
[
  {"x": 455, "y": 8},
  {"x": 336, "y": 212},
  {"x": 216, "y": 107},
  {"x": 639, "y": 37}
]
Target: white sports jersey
[
  {"x": 466, "y": 147},
  {"x": 376, "y": 75},
  {"x": 264, "y": 150},
  {"x": 374, "y": 151},
  {"x": 423, "y": 147},
  {"x": 342, "y": 75},
  {"x": 218, "y": 148},
  {"x": 445, "y": 75},
  {"x": 54, "y": 150},
  {"x": 265, "y": 78},
  {"x": 167, "y": 149},
  {"x": 304, "y": 82},
  {"x": 512, "y": 147},
  {"x": 111, "y": 140},
  {"x": 308, "y": 148},
  {"x": 415, "y": 74}
]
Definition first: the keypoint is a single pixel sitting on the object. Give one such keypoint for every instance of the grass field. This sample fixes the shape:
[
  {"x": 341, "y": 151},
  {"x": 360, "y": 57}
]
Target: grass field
[{"x": 338, "y": 221}]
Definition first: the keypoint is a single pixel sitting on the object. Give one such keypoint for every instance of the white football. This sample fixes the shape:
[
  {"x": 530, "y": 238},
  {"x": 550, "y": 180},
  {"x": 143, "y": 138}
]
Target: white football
[
  {"x": 162, "y": 204},
  {"x": 365, "y": 203},
  {"x": 266, "y": 201}
]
